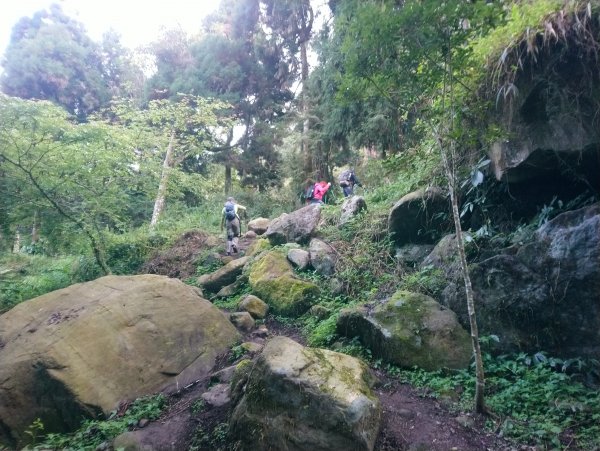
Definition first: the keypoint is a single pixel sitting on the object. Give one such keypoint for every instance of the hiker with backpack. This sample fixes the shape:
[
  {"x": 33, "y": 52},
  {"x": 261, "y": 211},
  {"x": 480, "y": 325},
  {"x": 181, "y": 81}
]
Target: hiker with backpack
[
  {"x": 230, "y": 218},
  {"x": 347, "y": 181},
  {"x": 320, "y": 189}
]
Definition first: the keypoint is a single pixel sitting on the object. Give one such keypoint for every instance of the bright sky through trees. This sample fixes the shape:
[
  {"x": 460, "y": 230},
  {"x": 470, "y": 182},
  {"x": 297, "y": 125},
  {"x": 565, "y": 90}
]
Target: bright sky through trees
[{"x": 138, "y": 21}]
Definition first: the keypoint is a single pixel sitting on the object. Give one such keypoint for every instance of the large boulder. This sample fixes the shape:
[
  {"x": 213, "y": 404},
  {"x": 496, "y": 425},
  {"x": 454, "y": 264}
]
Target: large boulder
[
  {"x": 223, "y": 276},
  {"x": 323, "y": 257},
  {"x": 259, "y": 225},
  {"x": 419, "y": 217},
  {"x": 296, "y": 227},
  {"x": 543, "y": 294},
  {"x": 306, "y": 399},
  {"x": 410, "y": 329},
  {"x": 80, "y": 351},
  {"x": 272, "y": 279},
  {"x": 351, "y": 207}
]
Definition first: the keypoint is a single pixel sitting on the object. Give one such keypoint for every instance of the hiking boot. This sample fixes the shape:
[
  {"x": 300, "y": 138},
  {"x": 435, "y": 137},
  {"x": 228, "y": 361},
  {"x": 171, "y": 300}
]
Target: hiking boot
[
  {"x": 228, "y": 254},
  {"x": 235, "y": 250}
]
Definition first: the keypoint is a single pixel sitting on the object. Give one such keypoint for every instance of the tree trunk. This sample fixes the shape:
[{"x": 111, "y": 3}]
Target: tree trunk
[
  {"x": 35, "y": 228},
  {"x": 227, "y": 178},
  {"x": 479, "y": 406},
  {"x": 17, "y": 243},
  {"x": 159, "y": 203},
  {"x": 308, "y": 158}
]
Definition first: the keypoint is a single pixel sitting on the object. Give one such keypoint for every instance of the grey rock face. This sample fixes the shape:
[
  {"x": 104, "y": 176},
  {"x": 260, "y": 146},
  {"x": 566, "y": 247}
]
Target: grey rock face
[{"x": 296, "y": 227}]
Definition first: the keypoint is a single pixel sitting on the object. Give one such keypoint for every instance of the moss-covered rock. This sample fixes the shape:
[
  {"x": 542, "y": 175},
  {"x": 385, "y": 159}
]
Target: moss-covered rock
[
  {"x": 223, "y": 276},
  {"x": 272, "y": 279},
  {"x": 254, "y": 305},
  {"x": 79, "y": 351},
  {"x": 299, "y": 398},
  {"x": 410, "y": 329},
  {"x": 260, "y": 245}
]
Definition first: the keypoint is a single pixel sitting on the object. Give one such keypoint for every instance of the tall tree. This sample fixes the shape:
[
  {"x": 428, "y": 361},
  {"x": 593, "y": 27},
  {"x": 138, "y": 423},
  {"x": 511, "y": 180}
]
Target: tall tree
[
  {"x": 50, "y": 57},
  {"x": 180, "y": 128}
]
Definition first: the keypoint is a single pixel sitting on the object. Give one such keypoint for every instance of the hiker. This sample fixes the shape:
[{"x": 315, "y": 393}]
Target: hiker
[
  {"x": 320, "y": 190},
  {"x": 347, "y": 181},
  {"x": 230, "y": 218},
  {"x": 309, "y": 192}
]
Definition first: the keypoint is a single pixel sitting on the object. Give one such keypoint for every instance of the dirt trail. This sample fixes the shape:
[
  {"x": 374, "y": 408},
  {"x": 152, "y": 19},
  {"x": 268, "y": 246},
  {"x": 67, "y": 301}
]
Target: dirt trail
[{"x": 410, "y": 420}]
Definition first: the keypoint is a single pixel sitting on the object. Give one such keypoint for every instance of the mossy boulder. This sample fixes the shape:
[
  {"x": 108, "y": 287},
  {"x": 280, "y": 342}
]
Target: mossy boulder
[
  {"x": 223, "y": 276},
  {"x": 299, "y": 398},
  {"x": 260, "y": 245},
  {"x": 254, "y": 305},
  {"x": 80, "y": 351},
  {"x": 410, "y": 329},
  {"x": 272, "y": 279}
]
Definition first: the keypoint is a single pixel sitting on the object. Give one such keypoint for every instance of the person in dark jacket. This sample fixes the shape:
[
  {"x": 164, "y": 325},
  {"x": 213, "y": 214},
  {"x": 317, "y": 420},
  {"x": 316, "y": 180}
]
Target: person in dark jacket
[{"x": 347, "y": 181}]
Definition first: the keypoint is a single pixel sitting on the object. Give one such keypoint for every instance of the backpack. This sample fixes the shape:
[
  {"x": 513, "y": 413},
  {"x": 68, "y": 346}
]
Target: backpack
[
  {"x": 229, "y": 211},
  {"x": 345, "y": 177},
  {"x": 310, "y": 192}
]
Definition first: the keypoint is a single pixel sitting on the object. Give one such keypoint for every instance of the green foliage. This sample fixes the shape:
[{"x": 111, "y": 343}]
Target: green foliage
[
  {"x": 216, "y": 439},
  {"x": 538, "y": 400},
  {"x": 94, "y": 432},
  {"x": 429, "y": 281},
  {"x": 126, "y": 253},
  {"x": 24, "y": 277},
  {"x": 198, "y": 406},
  {"x": 236, "y": 353}
]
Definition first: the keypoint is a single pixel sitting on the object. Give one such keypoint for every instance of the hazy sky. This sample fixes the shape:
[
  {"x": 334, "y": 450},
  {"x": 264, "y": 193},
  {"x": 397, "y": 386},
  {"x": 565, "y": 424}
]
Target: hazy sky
[{"x": 138, "y": 21}]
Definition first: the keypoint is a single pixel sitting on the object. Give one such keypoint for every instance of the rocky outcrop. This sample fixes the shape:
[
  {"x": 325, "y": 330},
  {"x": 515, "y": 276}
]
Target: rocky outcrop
[
  {"x": 409, "y": 330},
  {"x": 418, "y": 217},
  {"x": 223, "y": 276},
  {"x": 298, "y": 398},
  {"x": 543, "y": 294},
  {"x": 322, "y": 257},
  {"x": 272, "y": 279},
  {"x": 351, "y": 207},
  {"x": 79, "y": 351},
  {"x": 296, "y": 227},
  {"x": 259, "y": 225}
]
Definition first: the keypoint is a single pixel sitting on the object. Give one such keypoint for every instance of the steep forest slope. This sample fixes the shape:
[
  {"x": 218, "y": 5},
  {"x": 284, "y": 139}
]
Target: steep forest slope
[{"x": 474, "y": 130}]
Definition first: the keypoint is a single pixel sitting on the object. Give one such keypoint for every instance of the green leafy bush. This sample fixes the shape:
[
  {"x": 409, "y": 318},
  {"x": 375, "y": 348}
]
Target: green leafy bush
[{"x": 537, "y": 399}]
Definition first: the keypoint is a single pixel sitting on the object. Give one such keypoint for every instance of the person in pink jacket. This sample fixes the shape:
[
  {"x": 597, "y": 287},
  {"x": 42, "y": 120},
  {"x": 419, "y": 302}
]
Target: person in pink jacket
[{"x": 321, "y": 189}]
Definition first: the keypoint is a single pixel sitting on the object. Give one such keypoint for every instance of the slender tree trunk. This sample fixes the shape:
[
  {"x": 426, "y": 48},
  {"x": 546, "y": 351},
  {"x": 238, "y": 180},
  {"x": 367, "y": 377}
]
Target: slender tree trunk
[
  {"x": 35, "y": 228},
  {"x": 449, "y": 160},
  {"x": 227, "y": 179},
  {"x": 308, "y": 157},
  {"x": 159, "y": 203},
  {"x": 17, "y": 243},
  {"x": 460, "y": 244}
]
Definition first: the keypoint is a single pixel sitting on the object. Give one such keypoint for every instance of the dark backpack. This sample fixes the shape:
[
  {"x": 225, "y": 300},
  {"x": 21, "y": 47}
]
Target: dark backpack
[
  {"x": 310, "y": 192},
  {"x": 345, "y": 177},
  {"x": 229, "y": 211}
]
